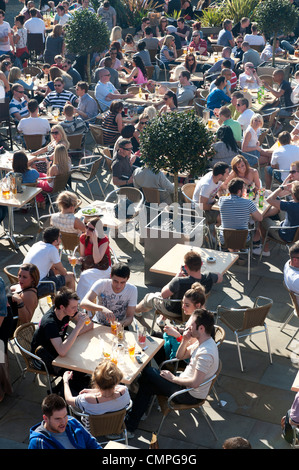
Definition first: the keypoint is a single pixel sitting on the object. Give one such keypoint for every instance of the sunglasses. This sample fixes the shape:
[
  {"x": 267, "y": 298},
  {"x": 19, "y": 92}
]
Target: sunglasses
[
  {"x": 293, "y": 171},
  {"x": 238, "y": 104},
  {"x": 144, "y": 123},
  {"x": 18, "y": 91},
  {"x": 91, "y": 229},
  {"x": 54, "y": 132}
]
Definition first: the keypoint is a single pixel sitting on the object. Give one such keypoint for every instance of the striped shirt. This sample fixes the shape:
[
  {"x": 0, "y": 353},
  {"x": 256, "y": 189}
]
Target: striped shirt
[
  {"x": 235, "y": 211},
  {"x": 58, "y": 100},
  {"x": 111, "y": 125},
  {"x": 16, "y": 106}
]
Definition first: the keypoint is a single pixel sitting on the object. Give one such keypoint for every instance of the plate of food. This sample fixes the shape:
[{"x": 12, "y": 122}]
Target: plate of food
[{"x": 91, "y": 211}]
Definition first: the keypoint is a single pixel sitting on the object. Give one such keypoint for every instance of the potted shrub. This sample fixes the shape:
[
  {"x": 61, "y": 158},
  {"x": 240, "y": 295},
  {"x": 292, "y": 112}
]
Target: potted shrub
[
  {"x": 276, "y": 16},
  {"x": 86, "y": 33}
]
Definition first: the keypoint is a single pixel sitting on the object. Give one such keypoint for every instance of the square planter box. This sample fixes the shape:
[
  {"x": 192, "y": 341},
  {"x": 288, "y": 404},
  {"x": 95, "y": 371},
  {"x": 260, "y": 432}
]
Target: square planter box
[
  {"x": 267, "y": 69},
  {"x": 162, "y": 233}
]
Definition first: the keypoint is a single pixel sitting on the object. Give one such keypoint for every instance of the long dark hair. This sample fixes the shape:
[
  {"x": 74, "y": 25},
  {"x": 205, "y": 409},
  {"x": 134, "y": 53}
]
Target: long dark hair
[
  {"x": 20, "y": 162},
  {"x": 140, "y": 64},
  {"x": 190, "y": 68},
  {"x": 172, "y": 95},
  {"x": 225, "y": 134}
]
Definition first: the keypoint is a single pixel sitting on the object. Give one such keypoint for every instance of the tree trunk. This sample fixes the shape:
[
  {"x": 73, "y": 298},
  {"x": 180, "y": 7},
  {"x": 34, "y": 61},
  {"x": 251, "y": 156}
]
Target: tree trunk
[
  {"x": 176, "y": 187},
  {"x": 88, "y": 69},
  {"x": 273, "y": 49}
]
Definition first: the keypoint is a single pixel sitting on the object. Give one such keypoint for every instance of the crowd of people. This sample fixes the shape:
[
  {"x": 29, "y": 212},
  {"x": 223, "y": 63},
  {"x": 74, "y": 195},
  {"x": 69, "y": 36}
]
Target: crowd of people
[{"x": 103, "y": 288}]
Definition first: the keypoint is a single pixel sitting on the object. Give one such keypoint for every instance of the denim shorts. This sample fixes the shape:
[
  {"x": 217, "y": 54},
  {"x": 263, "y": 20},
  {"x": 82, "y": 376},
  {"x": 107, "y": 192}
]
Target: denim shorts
[{"x": 48, "y": 288}]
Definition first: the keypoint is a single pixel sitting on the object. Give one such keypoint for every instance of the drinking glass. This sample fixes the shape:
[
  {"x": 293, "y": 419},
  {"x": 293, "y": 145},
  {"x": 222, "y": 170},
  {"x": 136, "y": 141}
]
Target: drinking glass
[{"x": 142, "y": 337}]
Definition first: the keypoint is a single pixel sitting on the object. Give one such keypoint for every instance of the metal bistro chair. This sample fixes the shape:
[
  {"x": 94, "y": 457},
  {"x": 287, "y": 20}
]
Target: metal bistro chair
[
  {"x": 60, "y": 183},
  {"x": 33, "y": 142},
  {"x": 97, "y": 134},
  {"x": 86, "y": 173},
  {"x": 105, "y": 424},
  {"x": 76, "y": 143},
  {"x": 295, "y": 312},
  {"x": 236, "y": 240},
  {"x": 187, "y": 191},
  {"x": 107, "y": 163},
  {"x": 177, "y": 318},
  {"x": 32, "y": 70},
  {"x": 162, "y": 67},
  {"x": 23, "y": 338},
  {"x": 268, "y": 237},
  {"x": 168, "y": 404},
  {"x": 241, "y": 319}
]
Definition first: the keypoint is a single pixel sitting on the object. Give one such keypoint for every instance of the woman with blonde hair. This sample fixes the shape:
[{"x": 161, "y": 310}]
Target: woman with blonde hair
[
  {"x": 168, "y": 53},
  {"x": 106, "y": 395},
  {"x": 241, "y": 169},
  {"x": 251, "y": 145},
  {"x": 116, "y": 35},
  {"x": 66, "y": 219},
  {"x": 95, "y": 255},
  {"x": 14, "y": 76},
  {"x": 61, "y": 165}
]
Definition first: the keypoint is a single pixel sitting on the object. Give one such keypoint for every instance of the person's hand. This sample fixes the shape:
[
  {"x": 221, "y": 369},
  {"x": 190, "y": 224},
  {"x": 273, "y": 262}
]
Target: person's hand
[
  {"x": 68, "y": 375},
  {"x": 166, "y": 374},
  {"x": 171, "y": 331},
  {"x": 108, "y": 314},
  {"x": 17, "y": 298}
]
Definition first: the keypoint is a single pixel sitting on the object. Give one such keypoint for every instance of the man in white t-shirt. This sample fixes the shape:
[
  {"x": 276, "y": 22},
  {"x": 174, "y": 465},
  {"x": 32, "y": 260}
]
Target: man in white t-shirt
[
  {"x": 45, "y": 255},
  {"x": 117, "y": 298},
  {"x": 105, "y": 92},
  {"x": 291, "y": 269},
  {"x": 282, "y": 158},
  {"x": 34, "y": 125},
  {"x": 249, "y": 78},
  {"x": 207, "y": 188},
  {"x": 246, "y": 113},
  {"x": 6, "y": 36},
  {"x": 254, "y": 39},
  {"x": 35, "y": 25}
]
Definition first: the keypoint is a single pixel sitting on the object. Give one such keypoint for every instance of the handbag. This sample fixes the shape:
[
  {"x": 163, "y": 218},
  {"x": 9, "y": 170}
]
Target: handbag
[
  {"x": 24, "y": 56},
  {"x": 88, "y": 263}
]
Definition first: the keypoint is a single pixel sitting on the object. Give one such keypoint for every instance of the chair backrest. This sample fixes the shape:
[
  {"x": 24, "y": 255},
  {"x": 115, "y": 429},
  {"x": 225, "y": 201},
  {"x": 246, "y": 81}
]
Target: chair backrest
[
  {"x": 33, "y": 142},
  {"x": 97, "y": 134},
  {"x": 35, "y": 42},
  {"x": 133, "y": 194},
  {"x": 106, "y": 154},
  {"x": 75, "y": 141},
  {"x": 150, "y": 71},
  {"x": 217, "y": 48},
  {"x": 219, "y": 335},
  {"x": 32, "y": 70},
  {"x": 152, "y": 53},
  {"x": 13, "y": 278},
  {"x": 108, "y": 423},
  {"x": 23, "y": 335},
  {"x": 187, "y": 191},
  {"x": 69, "y": 240},
  {"x": 296, "y": 236},
  {"x": 4, "y": 109},
  {"x": 60, "y": 182},
  {"x": 255, "y": 316},
  {"x": 234, "y": 239},
  {"x": 267, "y": 78},
  {"x": 272, "y": 118},
  {"x": 152, "y": 195},
  {"x": 135, "y": 89},
  {"x": 262, "y": 136},
  {"x": 257, "y": 47},
  {"x": 95, "y": 167},
  {"x": 294, "y": 299}
]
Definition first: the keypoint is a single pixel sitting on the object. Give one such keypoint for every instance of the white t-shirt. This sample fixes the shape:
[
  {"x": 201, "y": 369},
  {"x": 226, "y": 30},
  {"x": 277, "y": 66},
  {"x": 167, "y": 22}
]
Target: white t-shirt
[
  {"x": 43, "y": 255},
  {"x": 295, "y": 95},
  {"x": 291, "y": 277},
  {"x": 284, "y": 156},
  {"x": 204, "y": 357},
  {"x": 34, "y": 125},
  {"x": 35, "y": 26},
  {"x": 254, "y": 39},
  {"x": 117, "y": 303},
  {"x": 250, "y": 85},
  {"x": 5, "y": 29},
  {"x": 206, "y": 188},
  {"x": 101, "y": 91},
  {"x": 244, "y": 118}
]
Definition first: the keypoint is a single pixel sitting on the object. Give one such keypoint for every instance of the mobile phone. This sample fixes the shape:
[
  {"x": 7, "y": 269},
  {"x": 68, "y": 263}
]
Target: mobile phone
[{"x": 150, "y": 339}]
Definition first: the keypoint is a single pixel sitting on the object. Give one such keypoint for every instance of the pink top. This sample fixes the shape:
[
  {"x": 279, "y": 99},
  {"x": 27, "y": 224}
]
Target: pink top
[{"x": 140, "y": 79}]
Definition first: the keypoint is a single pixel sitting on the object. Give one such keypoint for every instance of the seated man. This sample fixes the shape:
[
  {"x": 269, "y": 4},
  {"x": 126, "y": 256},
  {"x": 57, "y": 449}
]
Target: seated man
[
  {"x": 291, "y": 269},
  {"x": 117, "y": 298},
  {"x": 146, "y": 178},
  {"x": 206, "y": 190},
  {"x": 282, "y": 158},
  {"x": 59, "y": 97},
  {"x": 288, "y": 215},
  {"x": 122, "y": 170},
  {"x": 176, "y": 288},
  {"x": 58, "y": 430},
  {"x": 87, "y": 106},
  {"x": 283, "y": 94},
  {"x": 245, "y": 113},
  {"x": 34, "y": 124},
  {"x": 198, "y": 345},
  {"x": 45, "y": 255},
  {"x": 225, "y": 119},
  {"x": 235, "y": 211},
  {"x": 73, "y": 124},
  {"x": 185, "y": 91},
  {"x": 105, "y": 92},
  {"x": 51, "y": 333},
  {"x": 249, "y": 78},
  {"x": 18, "y": 106},
  {"x": 250, "y": 55}
]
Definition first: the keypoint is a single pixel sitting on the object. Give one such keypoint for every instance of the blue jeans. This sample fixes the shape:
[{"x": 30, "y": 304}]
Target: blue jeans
[
  {"x": 287, "y": 46},
  {"x": 151, "y": 383}
]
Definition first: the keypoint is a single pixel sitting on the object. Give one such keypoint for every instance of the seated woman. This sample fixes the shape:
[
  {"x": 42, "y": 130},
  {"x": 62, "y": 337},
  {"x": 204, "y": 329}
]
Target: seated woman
[
  {"x": 22, "y": 299},
  {"x": 65, "y": 219},
  {"x": 193, "y": 298},
  {"x": 189, "y": 64},
  {"x": 225, "y": 146},
  {"x": 139, "y": 127},
  {"x": 138, "y": 74},
  {"x": 129, "y": 45},
  {"x": 20, "y": 165},
  {"x": 94, "y": 250},
  {"x": 241, "y": 169},
  {"x": 15, "y": 77},
  {"x": 58, "y": 136},
  {"x": 171, "y": 102},
  {"x": 61, "y": 165},
  {"x": 113, "y": 123},
  {"x": 161, "y": 30},
  {"x": 105, "y": 396},
  {"x": 251, "y": 145},
  {"x": 186, "y": 10},
  {"x": 168, "y": 53}
]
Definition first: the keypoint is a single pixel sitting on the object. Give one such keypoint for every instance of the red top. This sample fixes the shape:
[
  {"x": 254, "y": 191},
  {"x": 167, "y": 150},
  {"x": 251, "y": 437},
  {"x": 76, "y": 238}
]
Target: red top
[{"x": 88, "y": 248}]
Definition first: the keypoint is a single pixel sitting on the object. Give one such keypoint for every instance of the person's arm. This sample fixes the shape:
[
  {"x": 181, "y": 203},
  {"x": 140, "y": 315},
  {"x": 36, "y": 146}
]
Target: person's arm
[
  {"x": 62, "y": 347},
  {"x": 5, "y": 81},
  {"x": 246, "y": 140},
  {"x": 119, "y": 122},
  {"x": 79, "y": 225},
  {"x": 272, "y": 199},
  {"x": 130, "y": 312},
  {"x": 256, "y": 179},
  {"x": 88, "y": 303},
  {"x": 276, "y": 93},
  {"x": 68, "y": 396},
  {"x": 166, "y": 292},
  {"x": 257, "y": 216},
  {"x": 205, "y": 203},
  {"x": 26, "y": 305}
]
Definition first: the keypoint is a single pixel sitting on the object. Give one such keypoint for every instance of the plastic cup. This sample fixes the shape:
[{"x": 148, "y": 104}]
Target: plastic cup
[{"x": 120, "y": 331}]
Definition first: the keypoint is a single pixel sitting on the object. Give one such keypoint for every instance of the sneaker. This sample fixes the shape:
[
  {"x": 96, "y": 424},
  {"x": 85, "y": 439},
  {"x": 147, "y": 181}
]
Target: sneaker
[
  {"x": 266, "y": 253},
  {"x": 160, "y": 321},
  {"x": 130, "y": 434},
  {"x": 257, "y": 251}
]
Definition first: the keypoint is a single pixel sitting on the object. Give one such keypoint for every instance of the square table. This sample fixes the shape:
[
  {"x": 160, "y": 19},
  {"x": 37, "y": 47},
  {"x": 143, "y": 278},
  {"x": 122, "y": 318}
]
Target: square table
[
  {"x": 172, "y": 261},
  {"x": 262, "y": 210},
  {"x": 87, "y": 352},
  {"x": 17, "y": 201}
]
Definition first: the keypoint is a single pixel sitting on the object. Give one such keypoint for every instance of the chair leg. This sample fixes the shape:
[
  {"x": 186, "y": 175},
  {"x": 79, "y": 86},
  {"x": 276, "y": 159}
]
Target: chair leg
[
  {"x": 161, "y": 424},
  {"x": 90, "y": 192},
  {"x": 11, "y": 343},
  {"x": 239, "y": 351},
  {"x": 100, "y": 186},
  {"x": 287, "y": 320},
  {"x": 268, "y": 342},
  {"x": 205, "y": 415}
]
